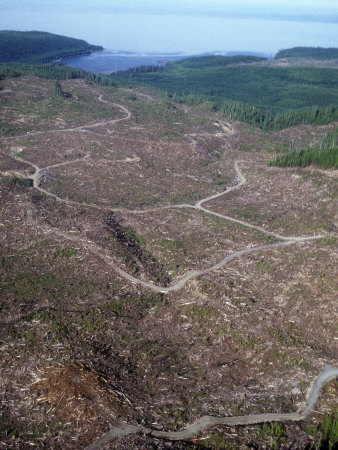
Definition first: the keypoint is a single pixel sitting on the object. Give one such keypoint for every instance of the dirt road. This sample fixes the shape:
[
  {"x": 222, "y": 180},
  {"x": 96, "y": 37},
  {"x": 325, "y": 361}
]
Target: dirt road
[{"x": 205, "y": 422}]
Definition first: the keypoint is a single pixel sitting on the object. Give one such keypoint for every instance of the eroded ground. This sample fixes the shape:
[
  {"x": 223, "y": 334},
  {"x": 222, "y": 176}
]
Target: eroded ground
[{"x": 85, "y": 344}]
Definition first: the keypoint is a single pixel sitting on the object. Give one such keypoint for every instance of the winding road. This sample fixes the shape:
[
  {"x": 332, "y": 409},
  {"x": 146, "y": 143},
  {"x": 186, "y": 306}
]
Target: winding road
[{"x": 180, "y": 283}]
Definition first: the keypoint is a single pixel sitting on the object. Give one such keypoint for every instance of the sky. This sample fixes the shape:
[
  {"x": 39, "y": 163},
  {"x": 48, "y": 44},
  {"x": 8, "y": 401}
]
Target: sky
[
  {"x": 175, "y": 3},
  {"x": 191, "y": 7},
  {"x": 188, "y": 26}
]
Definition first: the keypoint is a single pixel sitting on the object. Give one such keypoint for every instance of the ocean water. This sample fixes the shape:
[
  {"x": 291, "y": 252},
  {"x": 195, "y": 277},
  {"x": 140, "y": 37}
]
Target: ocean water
[
  {"x": 151, "y": 34},
  {"x": 108, "y": 61}
]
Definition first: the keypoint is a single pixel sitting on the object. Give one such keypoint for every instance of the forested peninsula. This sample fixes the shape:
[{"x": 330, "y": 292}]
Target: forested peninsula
[{"x": 37, "y": 47}]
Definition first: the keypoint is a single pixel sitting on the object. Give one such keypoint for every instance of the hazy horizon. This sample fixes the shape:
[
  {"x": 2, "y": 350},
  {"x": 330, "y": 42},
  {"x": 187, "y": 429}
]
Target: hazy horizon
[{"x": 186, "y": 26}]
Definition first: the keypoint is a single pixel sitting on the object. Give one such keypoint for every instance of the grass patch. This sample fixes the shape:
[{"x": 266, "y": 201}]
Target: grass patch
[
  {"x": 328, "y": 240},
  {"x": 65, "y": 252},
  {"x": 326, "y": 434}
]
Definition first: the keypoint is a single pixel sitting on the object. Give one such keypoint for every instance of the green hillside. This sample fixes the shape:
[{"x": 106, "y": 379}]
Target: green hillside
[
  {"x": 308, "y": 52},
  {"x": 36, "y": 47},
  {"x": 247, "y": 90}
]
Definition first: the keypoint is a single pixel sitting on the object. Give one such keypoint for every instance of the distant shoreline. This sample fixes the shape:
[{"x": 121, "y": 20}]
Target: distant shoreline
[
  {"x": 110, "y": 61},
  {"x": 83, "y": 53}
]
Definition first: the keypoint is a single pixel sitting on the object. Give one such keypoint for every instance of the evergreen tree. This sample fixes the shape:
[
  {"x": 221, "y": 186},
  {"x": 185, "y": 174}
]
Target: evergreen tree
[{"x": 57, "y": 89}]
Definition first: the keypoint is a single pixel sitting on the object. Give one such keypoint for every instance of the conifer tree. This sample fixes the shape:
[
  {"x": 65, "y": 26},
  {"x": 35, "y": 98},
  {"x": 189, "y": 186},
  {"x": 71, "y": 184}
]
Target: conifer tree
[{"x": 57, "y": 89}]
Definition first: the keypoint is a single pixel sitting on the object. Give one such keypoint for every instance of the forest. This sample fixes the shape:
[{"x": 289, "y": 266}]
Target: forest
[
  {"x": 36, "y": 47},
  {"x": 245, "y": 90},
  {"x": 325, "y": 155},
  {"x": 308, "y": 52}
]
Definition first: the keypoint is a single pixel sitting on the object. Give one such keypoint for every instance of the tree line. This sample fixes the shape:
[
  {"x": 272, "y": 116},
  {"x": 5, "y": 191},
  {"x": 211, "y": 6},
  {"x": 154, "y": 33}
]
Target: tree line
[
  {"x": 308, "y": 52},
  {"x": 53, "y": 72},
  {"x": 325, "y": 155}
]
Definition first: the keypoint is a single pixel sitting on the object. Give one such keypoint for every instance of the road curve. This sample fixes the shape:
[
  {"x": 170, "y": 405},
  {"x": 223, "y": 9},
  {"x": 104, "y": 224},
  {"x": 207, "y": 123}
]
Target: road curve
[
  {"x": 240, "y": 183},
  {"x": 205, "y": 422}
]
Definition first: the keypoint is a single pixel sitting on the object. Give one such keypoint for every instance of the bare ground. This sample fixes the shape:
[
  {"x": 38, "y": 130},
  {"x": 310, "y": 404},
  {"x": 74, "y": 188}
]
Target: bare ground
[{"x": 246, "y": 338}]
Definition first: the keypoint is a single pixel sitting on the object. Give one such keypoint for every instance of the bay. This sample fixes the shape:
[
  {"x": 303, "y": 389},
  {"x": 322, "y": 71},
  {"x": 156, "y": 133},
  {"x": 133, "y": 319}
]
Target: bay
[{"x": 108, "y": 61}]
